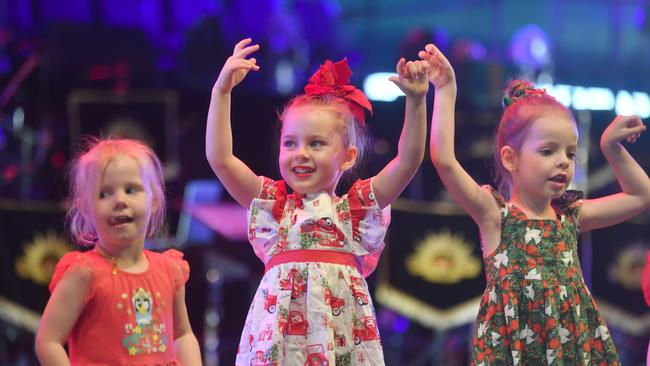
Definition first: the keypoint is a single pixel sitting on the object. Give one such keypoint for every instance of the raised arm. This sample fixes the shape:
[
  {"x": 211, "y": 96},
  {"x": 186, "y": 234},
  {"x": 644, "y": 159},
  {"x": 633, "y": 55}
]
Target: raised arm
[
  {"x": 60, "y": 316},
  {"x": 477, "y": 202},
  {"x": 634, "y": 181},
  {"x": 236, "y": 176},
  {"x": 391, "y": 181}
]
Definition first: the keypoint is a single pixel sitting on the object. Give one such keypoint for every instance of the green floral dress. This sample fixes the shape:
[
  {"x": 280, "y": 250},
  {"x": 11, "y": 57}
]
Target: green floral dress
[{"x": 536, "y": 308}]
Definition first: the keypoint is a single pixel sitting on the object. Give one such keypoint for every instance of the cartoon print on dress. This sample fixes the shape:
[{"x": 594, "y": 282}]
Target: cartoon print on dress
[
  {"x": 270, "y": 301},
  {"x": 321, "y": 231},
  {"x": 316, "y": 356},
  {"x": 356, "y": 289},
  {"x": 292, "y": 322},
  {"x": 295, "y": 281},
  {"x": 336, "y": 303},
  {"x": 365, "y": 330},
  {"x": 146, "y": 335},
  {"x": 268, "y": 358}
]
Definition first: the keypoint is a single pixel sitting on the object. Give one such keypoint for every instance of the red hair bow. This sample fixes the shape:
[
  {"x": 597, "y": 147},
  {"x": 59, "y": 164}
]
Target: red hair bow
[{"x": 333, "y": 78}]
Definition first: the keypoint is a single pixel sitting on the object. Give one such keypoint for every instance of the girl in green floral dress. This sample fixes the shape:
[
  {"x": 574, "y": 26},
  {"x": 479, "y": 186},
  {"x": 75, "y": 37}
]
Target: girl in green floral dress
[{"x": 536, "y": 309}]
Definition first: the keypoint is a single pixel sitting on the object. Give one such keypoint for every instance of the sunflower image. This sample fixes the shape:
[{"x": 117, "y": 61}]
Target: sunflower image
[
  {"x": 40, "y": 257},
  {"x": 443, "y": 258}
]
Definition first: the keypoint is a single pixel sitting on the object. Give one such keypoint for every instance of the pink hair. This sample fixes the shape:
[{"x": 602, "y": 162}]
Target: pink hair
[
  {"x": 83, "y": 174},
  {"x": 523, "y": 104}
]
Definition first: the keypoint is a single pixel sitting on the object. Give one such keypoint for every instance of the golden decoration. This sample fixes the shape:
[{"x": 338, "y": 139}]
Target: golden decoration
[
  {"x": 443, "y": 258},
  {"x": 40, "y": 257}
]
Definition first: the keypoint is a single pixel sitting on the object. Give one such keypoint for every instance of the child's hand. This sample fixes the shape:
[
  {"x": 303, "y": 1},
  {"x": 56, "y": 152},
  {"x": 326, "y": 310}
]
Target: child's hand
[
  {"x": 622, "y": 128},
  {"x": 440, "y": 71},
  {"x": 237, "y": 66},
  {"x": 411, "y": 77}
]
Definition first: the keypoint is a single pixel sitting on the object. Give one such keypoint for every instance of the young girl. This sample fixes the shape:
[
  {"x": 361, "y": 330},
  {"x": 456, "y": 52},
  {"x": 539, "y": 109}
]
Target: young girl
[
  {"x": 117, "y": 303},
  {"x": 312, "y": 305},
  {"x": 536, "y": 308}
]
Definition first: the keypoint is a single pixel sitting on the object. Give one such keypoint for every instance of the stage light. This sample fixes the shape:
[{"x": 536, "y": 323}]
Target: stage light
[
  {"x": 530, "y": 47},
  {"x": 595, "y": 99},
  {"x": 378, "y": 88},
  {"x": 642, "y": 102}
]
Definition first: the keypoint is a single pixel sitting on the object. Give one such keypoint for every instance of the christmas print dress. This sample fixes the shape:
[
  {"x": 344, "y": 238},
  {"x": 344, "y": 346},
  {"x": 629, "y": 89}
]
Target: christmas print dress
[
  {"x": 314, "y": 311},
  {"x": 536, "y": 308}
]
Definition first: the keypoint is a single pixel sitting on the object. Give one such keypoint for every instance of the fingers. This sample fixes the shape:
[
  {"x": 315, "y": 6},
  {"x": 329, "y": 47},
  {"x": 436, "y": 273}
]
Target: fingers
[
  {"x": 243, "y": 50},
  {"x": 417, "y": 69},
  {"x": 400, "y": 67},
  {"x": 241, "y": 44}
]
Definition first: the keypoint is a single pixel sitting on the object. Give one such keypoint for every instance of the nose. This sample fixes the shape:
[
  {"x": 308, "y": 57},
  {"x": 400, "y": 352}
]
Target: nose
[
  {"x": 301, "y": 152},
  {"x": 564, "y": 161},
  {"x": 119, "y": 201}
]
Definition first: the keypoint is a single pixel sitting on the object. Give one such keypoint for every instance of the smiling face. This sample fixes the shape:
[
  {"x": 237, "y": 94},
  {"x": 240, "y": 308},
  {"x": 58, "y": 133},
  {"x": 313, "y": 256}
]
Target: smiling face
[
  {"x": 122, "y": 204},
  {"x": 543, "y": 167},
  {"x": 313, "y": 154}
]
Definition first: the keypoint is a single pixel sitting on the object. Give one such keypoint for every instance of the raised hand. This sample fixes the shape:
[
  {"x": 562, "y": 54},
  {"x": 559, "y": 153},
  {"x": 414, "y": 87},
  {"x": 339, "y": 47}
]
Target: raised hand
[
  {"x": 627, "y": 128},
  {"x": 411, "y": 77},
  {"x": 440, "y": 72},
  {"x": 237, "y": 66}
]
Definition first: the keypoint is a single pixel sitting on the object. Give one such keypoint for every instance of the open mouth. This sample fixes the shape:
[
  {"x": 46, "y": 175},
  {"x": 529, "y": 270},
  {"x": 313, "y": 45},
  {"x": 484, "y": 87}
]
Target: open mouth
[
  {"x": 119, "y": 220},
  {"x": 560, "y": 178},
  {"x": 303, "y": 170}
]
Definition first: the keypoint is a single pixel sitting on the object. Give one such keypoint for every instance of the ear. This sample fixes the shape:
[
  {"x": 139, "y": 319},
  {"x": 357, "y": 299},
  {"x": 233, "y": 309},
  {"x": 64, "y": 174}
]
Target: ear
[
  {"x": 155, "y": 203},
  {"x": 350, "y": 158},
  {"x": 509, "y": 158}
]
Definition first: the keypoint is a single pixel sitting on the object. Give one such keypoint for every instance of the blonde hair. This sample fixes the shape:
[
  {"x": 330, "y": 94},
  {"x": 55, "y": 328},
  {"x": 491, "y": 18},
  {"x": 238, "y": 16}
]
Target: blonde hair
[{"x": 83, "y": 174}]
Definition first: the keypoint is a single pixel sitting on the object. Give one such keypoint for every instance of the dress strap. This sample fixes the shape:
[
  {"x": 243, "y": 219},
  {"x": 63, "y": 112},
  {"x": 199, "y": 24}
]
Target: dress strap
[{"x": 313, "y": 255}]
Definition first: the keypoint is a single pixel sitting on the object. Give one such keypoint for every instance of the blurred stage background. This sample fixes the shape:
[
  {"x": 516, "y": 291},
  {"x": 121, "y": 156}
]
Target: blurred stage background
[{"x": 145, "y": 68}]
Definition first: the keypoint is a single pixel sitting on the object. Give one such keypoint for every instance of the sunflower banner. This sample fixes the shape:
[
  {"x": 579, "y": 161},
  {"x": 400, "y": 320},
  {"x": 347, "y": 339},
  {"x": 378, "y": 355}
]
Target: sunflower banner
[
  {"x": 431, "y": 270},
  {"x": 32, "y": 241},
  {"x": 619, "y": 254}
]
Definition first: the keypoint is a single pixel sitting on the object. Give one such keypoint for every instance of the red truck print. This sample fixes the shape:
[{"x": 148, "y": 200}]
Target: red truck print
[
  {"x": 359, "y": 295},
  {"x": 325, "y": 230},
  {"x": 294, "y": 282},
  {"x": 316, "y": 356},
  {"x": 367, "y": 333},
  {"x": 295, "y": 325},
  {"x": 270, "y": 302},
  {"x": 335, "y": 303}
]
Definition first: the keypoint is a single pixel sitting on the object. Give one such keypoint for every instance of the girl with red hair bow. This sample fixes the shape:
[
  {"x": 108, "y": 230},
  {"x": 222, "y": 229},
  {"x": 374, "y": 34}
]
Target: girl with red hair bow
[{"x": 312, "y": 304}]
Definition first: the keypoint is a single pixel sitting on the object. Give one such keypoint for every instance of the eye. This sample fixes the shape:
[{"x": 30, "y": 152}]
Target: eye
[
  {"x": 132, "y": 190},
  {"x": 103, "y": 194},
  {"x": 317, "y": 143},
  {"x": 288, "y": 144},
  {"x": 571, "y": 155},
  {"x": 546, "y": 152}
]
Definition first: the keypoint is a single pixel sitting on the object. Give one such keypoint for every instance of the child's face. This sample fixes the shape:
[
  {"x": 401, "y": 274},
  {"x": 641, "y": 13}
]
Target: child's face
[
  {"x": 122, "y": 203},
  {"x": 543, "y": 167},
  {"x": 313, "y": 155}
]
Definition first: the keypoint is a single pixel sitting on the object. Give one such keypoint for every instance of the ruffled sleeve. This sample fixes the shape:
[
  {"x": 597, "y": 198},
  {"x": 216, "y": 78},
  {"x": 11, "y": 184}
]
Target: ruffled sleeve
[
  {"x": 265, "y": 214},
  {"x": 645, "y": 279},
  {"x": 369, "y": 223},
  {"x": 178, "y": 267},
  {"x": 70, "y": 262}
]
